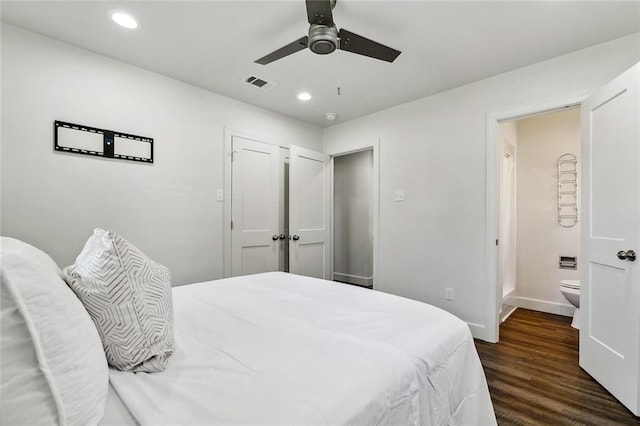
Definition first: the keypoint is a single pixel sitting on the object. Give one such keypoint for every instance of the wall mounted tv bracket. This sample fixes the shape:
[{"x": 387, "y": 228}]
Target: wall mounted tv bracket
[{"x": 79, "y": 139}]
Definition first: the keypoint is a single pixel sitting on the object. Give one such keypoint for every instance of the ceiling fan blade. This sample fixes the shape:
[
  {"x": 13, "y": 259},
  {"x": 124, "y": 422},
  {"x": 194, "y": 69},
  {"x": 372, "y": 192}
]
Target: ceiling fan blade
[
  {"x": 319, "y": 12},
  {"x": 363, "y": 46},
  {"x": 287, "y": 50}
]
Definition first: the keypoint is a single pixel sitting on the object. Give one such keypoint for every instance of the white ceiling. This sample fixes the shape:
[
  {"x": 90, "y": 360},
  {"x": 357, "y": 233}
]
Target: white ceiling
[{"x": 444, "y": 44}]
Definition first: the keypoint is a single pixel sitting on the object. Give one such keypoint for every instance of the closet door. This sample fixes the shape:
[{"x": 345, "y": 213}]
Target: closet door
[
  {"x": 309, "y": 213},
  {"x": 255, "y": 188}
]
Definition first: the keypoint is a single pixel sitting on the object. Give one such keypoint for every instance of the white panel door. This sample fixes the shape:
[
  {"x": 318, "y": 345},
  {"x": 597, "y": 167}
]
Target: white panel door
[
  {"x": 255, "y": 187},
  {"x": 309, "y": 213},
  {"x": 610, "y": 296}
]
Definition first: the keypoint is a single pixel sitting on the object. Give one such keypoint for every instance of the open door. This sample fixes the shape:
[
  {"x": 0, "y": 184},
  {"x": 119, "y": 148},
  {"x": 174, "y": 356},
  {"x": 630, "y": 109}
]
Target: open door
[
  {"x": 610, "y": 295},
  {"x": 309, "y": 213}
]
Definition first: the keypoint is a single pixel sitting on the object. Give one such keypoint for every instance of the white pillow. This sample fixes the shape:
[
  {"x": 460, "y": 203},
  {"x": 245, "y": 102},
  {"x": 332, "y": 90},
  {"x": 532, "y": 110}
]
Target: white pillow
[
  {"x": 53, "y": 368},
  {"x": 128, "y": 296}
]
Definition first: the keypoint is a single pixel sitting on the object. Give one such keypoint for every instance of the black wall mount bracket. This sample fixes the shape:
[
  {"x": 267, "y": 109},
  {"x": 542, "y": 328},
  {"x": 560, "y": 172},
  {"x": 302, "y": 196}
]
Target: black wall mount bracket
[{"x": 80, "y": 139}]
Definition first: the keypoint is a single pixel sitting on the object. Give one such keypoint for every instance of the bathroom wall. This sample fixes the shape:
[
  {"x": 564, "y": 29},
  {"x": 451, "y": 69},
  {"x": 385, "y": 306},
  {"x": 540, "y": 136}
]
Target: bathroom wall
[{"x": 540, "y": 239}]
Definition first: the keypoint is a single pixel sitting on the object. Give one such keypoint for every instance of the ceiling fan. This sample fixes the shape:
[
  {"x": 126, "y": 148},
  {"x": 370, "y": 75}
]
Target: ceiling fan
[{"x": 324, "y": 38}]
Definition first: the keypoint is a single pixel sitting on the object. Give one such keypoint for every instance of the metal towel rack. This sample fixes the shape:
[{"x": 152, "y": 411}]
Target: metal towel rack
[{"x": 567, "y": 190}]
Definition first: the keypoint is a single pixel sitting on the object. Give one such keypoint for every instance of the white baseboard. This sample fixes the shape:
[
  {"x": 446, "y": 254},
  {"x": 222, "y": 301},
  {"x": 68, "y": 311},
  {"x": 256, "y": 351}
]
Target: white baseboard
[
  {"x": 509, "y": 304},
  {"x": 509, "y": 299},
  {"x": 353, "y": 279},
  {"x": 506, "y": 313},
  {"x": 564, "y": 309},
  {"x": 479, "y": 331}
]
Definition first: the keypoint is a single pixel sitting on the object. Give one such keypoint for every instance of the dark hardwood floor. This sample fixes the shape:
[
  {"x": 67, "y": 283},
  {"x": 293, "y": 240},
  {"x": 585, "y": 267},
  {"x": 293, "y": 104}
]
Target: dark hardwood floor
[{"x": 534, "y": 377}]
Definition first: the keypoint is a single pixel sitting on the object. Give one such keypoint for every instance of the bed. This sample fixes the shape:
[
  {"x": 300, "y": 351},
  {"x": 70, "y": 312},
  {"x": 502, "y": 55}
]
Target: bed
[
  {"x": 278, "y": 348},
  {"x": 266, "y": 349}
]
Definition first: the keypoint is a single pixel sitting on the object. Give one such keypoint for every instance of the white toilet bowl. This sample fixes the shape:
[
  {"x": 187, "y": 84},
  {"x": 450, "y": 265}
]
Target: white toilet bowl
[{"x": 570, "y": 289}]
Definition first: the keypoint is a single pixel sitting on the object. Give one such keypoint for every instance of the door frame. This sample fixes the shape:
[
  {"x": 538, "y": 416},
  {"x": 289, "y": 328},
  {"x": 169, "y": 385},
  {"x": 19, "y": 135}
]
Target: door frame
[
  {"x": 229, "y": 133},
  {"x": 375, "y": 214},
  {"x": 490, "y": 331}
]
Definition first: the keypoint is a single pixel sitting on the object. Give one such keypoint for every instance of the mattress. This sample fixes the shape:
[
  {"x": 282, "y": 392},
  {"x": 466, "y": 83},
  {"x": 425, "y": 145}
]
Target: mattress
[{"x": 278, "y": 348}]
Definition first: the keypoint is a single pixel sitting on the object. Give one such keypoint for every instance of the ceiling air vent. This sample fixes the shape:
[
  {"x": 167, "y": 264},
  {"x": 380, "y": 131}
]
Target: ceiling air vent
[{"x": 259, "y": 83}]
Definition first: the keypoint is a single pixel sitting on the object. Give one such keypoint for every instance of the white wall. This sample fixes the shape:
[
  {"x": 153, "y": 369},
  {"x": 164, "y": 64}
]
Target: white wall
[
  {"x": 434, "y": 149},
  {"x": 352, "y": 204},
  {"x": 54, "y": 200},
  {"x": 540, "y": 239}
]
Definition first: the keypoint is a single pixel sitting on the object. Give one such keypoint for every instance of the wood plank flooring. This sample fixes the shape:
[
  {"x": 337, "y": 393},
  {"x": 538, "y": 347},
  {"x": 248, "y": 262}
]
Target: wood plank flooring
[{"x": 534, "y": 377}]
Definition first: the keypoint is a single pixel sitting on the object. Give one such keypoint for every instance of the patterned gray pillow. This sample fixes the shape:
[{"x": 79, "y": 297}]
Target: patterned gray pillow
[{"x": 128, "y": 296}]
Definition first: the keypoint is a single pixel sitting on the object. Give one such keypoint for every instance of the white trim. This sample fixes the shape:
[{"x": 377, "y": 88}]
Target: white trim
[
  {"x": 226, "y": 215},
  {"x": 491, "y": 333},
  {"x": 376, "y": 213},
  {"x": 509, "y": 300},
  {"x": 375, "y": 147},
  {"x": 353, "y": 279},
  {"x": 505, "y": 316},
  {"x": 331, "y": 183},
  {"x": 477, "y": 329},
  {"x": 546, "y": 306}
]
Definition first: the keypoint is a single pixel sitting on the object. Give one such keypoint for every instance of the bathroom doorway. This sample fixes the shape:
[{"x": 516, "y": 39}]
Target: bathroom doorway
[{"x": 539, "y": 211}]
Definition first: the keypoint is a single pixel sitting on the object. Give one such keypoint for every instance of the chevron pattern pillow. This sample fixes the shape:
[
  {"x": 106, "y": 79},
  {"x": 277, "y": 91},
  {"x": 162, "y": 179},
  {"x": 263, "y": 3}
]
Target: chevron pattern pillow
[{"x": 128, "y": 296}]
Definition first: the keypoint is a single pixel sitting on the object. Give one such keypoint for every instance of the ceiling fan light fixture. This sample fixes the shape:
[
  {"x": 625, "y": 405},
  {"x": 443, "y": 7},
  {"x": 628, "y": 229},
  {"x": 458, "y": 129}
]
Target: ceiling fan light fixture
[
  {"x": 322, "y": 39},
  {"x": 124, "y": 20},
  {"x": 304, "y": 96}
]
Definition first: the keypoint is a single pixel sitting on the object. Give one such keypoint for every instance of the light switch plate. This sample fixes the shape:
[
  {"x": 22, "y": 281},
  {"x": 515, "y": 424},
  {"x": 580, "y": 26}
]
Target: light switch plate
[
  {"x": 398, "y": 195},
  {"x": 448, "y": 293},
  {"x": 219, "y": 195}
]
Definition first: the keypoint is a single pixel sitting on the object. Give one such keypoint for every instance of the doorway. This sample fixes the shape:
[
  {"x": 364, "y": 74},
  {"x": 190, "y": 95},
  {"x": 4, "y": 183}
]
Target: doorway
[
  {"x": 353, "y": 218},
  {"x": 490, "y": 333},
  {"x": 609, "y": 232},
  {"x": 539, "y": 236}
]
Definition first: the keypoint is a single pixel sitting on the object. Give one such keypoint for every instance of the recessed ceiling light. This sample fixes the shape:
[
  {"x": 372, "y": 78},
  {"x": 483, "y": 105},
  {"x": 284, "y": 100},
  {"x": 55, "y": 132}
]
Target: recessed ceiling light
[
  {"x": 304, "y": 96},
  {"x": 124, "y": 20},
  {"x": 331, "y": 116}
]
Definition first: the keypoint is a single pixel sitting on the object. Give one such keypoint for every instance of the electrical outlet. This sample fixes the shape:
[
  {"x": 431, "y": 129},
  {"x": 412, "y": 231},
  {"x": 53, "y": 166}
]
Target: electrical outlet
[
  {"x": 448, "y": 293},
  {"x": 398, "y": 195}
]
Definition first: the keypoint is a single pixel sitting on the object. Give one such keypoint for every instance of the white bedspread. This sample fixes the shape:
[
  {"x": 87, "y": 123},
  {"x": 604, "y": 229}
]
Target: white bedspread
[{"x": 283, "y": 349}]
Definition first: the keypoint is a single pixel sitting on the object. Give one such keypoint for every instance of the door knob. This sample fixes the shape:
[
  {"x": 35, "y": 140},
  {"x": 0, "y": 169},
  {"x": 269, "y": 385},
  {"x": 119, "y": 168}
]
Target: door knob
[
  {"x": 282, "y": 236},
  {"x": 275, "y": 237},
  {"x": 296, "y": 238},
  {"x": 629, "y": 255}
]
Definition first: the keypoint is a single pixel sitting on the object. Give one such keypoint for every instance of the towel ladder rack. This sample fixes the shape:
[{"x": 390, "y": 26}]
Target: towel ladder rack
[{"x": 567, "y": 190}]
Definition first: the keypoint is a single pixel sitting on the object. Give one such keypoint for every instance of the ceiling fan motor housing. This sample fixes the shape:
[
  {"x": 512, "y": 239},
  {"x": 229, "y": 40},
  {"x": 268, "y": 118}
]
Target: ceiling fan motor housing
[{"x": 322, "y": 39}]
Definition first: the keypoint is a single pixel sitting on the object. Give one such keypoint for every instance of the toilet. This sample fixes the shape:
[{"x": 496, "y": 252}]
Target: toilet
[{"x": 570, "y": 289}]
